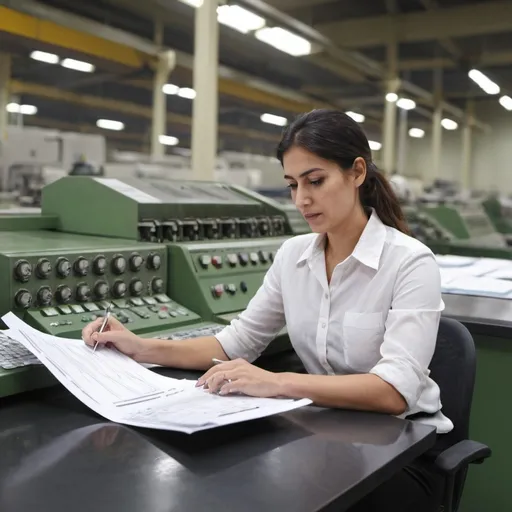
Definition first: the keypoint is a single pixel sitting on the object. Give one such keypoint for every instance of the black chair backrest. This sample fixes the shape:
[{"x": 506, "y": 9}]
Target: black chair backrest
[{"x": 453, "y": 368}]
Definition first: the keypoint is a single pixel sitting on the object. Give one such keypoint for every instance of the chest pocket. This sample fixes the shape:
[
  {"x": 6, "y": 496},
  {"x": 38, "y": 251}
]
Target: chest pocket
[{"x": 363, "y": 334}]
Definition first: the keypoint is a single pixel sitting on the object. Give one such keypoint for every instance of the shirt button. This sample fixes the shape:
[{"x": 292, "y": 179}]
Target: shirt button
[
  {"x": 326, "y": 295},
  {"x": 323, "y": 326}
]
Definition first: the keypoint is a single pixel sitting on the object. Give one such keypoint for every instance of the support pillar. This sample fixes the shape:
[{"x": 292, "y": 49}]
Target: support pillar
[
  {"x": 5, "y": 77},
  {"x": 205, "y": 108},
  {"x": 467, "y": 132},
  {"x": 437, "y": 129},
  {"x": 389, "y": 128},
  {"x": 165, "y": 64},
  {"x": 402, "y": 142}
]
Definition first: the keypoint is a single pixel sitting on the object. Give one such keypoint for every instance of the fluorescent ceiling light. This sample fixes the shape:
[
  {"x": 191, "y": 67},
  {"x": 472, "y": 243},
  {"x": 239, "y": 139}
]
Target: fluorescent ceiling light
[
  {"x": 506, "y": 102},
  {"x": 449, "y": 124},
  {"x": 284, "y": 40},
  {"x": 168, "y": 140},
  {"x": 273, "y": 119},
  {"x": 374, "y": 145},
  {"x": 484, "y": 82},
  {"x": 417, "y": 133},
  {"x": 187, "y": 92},
  {"x": 358, "y": 118},
  {"x": 26, "y": 110},
  {"x": 108, "y": 124},
  {"x": 49, "y": 58},
  {"x": 193, "y": 3},
  {"x": 239, "y": 18},
  {"x": 391, "y": 97},
  {"x": 170, "y": 89},
  {"x": 78, "y": 65},
  {"x": 406, "y": 103}
]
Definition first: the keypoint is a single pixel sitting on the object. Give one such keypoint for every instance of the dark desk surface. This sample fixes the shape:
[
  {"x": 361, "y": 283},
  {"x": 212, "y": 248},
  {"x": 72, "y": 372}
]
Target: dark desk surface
[{"x": 56, "y": 456}]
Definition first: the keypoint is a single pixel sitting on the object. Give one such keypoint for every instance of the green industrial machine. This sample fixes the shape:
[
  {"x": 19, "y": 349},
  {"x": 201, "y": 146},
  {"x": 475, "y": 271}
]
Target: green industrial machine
[{"x": 498, "y": 215}]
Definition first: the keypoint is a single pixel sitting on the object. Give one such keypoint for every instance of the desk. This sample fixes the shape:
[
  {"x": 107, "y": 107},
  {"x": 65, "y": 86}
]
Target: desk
[{"x": 56, "y": 455}]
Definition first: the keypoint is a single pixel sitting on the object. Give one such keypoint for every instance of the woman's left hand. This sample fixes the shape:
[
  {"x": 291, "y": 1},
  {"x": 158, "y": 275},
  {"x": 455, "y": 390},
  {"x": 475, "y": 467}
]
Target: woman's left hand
[{"x": 239, "y": 376}]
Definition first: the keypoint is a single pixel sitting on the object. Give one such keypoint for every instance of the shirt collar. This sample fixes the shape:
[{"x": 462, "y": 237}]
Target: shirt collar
[{"x": 368, "y": 249}]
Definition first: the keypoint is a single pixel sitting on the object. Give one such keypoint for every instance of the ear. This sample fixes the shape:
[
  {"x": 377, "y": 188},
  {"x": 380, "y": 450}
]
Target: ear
[{"x": 359, "y": 171}]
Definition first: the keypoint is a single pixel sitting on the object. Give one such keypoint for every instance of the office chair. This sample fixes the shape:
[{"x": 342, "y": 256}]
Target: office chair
[{"x": 453, "y": 368}]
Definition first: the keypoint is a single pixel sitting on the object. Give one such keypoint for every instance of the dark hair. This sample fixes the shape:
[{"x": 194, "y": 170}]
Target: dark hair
[{"x": 334, "y": 136}]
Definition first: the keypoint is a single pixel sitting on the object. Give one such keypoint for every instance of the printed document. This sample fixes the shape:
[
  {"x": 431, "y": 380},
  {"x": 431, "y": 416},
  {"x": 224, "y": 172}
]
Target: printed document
[{"x": 120, "y": 389}]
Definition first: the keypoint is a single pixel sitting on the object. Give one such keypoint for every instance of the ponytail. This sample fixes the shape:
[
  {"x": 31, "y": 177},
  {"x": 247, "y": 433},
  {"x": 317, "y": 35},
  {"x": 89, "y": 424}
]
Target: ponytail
[{"x": 377, "y": 193}]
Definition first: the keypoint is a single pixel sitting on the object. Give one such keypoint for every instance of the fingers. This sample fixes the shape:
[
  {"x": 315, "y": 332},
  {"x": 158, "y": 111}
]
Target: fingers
[
  {"x": 220, "y": 367},
  {"x": 217, "y": 381},
  {"x": 89, "y": 329}
]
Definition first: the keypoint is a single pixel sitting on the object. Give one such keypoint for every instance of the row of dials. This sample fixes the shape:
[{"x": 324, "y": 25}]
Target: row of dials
[
  {"x": 81, "y": 267},
  {"x": 63, "y": 294}
]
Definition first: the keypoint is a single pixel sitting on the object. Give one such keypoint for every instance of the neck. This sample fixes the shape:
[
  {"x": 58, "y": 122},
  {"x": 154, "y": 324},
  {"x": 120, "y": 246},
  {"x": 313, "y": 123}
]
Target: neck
[{"x": 340, "y": 243}]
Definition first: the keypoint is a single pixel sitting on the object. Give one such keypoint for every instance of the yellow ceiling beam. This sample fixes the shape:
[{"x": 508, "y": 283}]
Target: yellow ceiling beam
[
  {"x": 125, "y": 107},
  {"x": 47, "y": 32}
]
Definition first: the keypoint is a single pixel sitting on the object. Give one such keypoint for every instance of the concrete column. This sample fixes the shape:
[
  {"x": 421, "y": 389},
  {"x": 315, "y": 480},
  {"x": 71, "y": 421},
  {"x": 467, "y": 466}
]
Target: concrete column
[
  {"x": 467, "y": 132},
  {"x": 402, "y": 142},
  {"x": 437, "y": 129},
  {"x": 165, "y": 64},
  {"x": 389, "y": 127},
  {"x": 205, "y": 108},
  {"x": 5, "y": 77}
]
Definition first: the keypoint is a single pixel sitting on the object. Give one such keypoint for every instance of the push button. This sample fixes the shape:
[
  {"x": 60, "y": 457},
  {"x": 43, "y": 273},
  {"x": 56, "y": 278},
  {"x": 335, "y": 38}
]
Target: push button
[
  {"x": 65, "y": 310},
  {"x": 217, "y": 261},
  {"x": 254, "y": 258},
  {"x": 77, "y": 308},
  {"x": 218, "y": 290},
  {"x": 137, "y": 301},
  {"x": 49, "y": 312},
  {"x": 90, "y": 306},
  {"x": 243, "y": 258},
  {"x": 149, "y": 300},
  {"x": 231, "y": 288},
  {"x": 204, "y": 260},
  {"x": 232, "y": 260},
  {"x": 161, "y": 297},
  {"x": 243, "y": 286}
]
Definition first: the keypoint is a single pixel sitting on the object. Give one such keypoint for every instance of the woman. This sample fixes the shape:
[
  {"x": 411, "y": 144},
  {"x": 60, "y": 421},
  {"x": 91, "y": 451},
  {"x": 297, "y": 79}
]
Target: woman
[{"x": 360, "y": 298}]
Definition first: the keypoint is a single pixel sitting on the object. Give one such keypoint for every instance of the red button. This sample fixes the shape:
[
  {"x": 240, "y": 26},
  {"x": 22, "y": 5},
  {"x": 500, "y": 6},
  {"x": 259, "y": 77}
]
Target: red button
[{"x": 217, "y": 261}]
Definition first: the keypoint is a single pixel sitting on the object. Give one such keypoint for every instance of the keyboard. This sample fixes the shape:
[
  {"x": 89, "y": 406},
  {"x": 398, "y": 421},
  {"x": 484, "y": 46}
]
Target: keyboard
[{"x": 13, "y": 354}]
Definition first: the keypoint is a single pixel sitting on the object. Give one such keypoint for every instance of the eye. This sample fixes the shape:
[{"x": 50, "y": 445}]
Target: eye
[
  {"x": 293, "y": 186},
  {"x": 317, "y": 182}
]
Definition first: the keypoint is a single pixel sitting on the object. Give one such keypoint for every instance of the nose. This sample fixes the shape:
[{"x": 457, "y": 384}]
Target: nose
[{"x": 302, "y": 197}]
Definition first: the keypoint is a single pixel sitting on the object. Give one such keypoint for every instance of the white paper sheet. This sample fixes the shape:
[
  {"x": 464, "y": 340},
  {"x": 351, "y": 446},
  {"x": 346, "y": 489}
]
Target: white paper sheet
[{"x": 121, "y": 390}]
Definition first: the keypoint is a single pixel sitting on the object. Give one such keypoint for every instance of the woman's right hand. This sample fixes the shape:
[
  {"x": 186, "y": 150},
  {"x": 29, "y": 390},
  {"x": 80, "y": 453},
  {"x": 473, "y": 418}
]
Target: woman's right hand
[{"x": 114, "y": 333}]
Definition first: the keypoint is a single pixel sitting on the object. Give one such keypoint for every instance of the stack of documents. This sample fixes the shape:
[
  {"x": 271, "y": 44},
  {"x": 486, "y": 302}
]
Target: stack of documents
[{"x": 118, "y": 388}]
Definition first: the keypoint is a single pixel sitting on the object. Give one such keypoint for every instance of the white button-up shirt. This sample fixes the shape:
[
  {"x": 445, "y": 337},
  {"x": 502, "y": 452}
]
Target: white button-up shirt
[{"x": 379, "y": 314}]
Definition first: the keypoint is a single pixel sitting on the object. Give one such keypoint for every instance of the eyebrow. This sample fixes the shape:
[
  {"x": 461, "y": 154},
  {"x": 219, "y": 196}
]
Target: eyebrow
[{"x": 305, "y": 173}]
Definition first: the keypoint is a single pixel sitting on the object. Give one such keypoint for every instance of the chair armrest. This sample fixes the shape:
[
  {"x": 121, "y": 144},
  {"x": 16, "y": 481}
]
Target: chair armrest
[{"x": 460, "y": 455}]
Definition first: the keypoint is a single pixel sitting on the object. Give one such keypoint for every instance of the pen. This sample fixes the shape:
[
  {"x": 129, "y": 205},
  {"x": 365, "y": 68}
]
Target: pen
[
  {"x": 104, "y": 324},
  {"x": 217, "y": 361}
]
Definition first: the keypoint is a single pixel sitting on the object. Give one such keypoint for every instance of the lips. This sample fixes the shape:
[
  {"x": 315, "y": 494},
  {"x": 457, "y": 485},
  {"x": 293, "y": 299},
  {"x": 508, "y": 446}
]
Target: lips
[{"x": 311, "y": 215}]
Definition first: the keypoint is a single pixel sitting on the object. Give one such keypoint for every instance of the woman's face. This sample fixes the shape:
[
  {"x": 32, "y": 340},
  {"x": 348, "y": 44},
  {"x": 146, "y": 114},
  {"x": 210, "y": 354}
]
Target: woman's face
[{"x": 324, "y": 194}]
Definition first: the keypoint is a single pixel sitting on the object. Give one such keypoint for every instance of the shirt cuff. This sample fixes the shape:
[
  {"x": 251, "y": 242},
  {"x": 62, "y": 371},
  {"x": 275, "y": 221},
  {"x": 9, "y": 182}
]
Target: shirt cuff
[
  {"x": 403, "y": 377},
  {"x": 231, "y": 345}
]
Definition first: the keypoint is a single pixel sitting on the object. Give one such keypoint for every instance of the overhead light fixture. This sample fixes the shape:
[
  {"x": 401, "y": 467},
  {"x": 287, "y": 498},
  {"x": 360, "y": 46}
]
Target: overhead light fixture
[
  {"x": 78, "y": 65},
  {"x": 168, "y": 140},
  {"x": 273, "y": 119},
  {"x": 193, "y": 3},
  {"x": 358, "y": 118},
  {"x": 187, "y": 92},
  {"x": 391, "y": 97},
  {"x": 484, "y": 82},
  {"x": 374, "y": 145},
  {"x": 108, "y": 124},
  {"x": 417, "y": 133},
  {"x": 284, "y": 40},
  {"x": 49, "y": 58},
  {"x": 506, "y": 102},
  {"x": 406, "y": 103},
  {"x": 26, "y": 110},
  {"x": 170, "y": 89},
  {"x": 449, "y": 124},
  {"x": 239, "y": 18}
]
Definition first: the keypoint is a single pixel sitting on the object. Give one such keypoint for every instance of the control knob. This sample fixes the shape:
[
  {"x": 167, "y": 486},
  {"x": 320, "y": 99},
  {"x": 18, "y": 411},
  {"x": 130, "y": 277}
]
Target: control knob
[
  {"x": 63, "y": 267},
  {"x": 119, "y": 289},
  {"x": 99, "y": 265},
  {"x": 44, "y": 295},
  {"x": 81, "y": 266},
  {"x": 157, "y": 285},
  {"x": 101, "y": 289},
  {"x": 136, "y": 287},
  {"x": 83, "y": 292},
  {"x": 118, "y": 264},
  {"x": 63, "y": 294},
  {"x": 23, "y": 270},
  {"x": 136, "y": 262},
  {"x": 43, "y": 268},
  {"x": 154, "y": 261},
  {"x": 23, "y": 299}
]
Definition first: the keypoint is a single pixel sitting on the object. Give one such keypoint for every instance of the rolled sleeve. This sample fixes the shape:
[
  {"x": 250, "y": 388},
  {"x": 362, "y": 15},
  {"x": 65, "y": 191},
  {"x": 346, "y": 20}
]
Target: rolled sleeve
[
  {"x": 250, "y": 333},
  {"x": 411, "y": 328}
]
